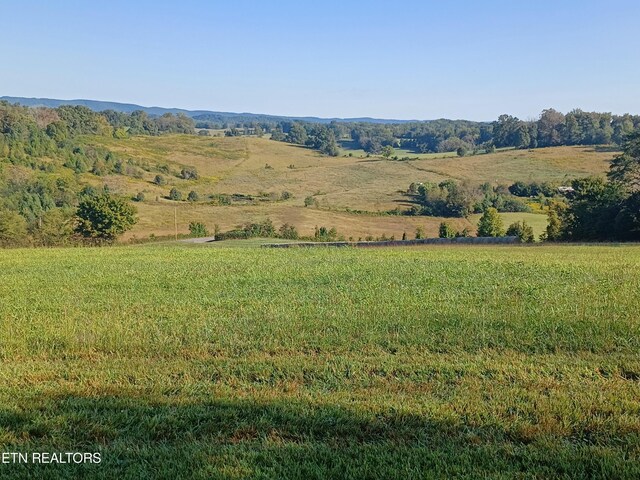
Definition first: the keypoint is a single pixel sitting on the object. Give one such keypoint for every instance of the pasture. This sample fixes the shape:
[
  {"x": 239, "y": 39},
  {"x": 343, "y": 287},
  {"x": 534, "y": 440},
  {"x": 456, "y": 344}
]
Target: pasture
[
  {"x": 185, "y": 361},
  {"x": 349, "y": 193}
]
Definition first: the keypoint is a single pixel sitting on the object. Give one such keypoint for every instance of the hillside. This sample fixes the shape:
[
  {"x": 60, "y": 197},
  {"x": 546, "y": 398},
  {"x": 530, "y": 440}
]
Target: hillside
[{"x": 263, "y": 169}]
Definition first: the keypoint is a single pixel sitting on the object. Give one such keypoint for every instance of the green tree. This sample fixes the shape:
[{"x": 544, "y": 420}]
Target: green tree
[
  {"x": 446, "y": 231},
  {"x": 521, "y": 230},
  {"x": 625, "y": 168},
  {"x": 490, "y": 224},
  {"x": 387, "y": 151},
  {"x": 104, "y": 217},
  {"x": 13, "y": 229},
  {"x": 555, "y": 214},
  {"x": 419, "y": 233},
  {"x": 55, "y": 227},
  {"x": 297, "y": 134}
]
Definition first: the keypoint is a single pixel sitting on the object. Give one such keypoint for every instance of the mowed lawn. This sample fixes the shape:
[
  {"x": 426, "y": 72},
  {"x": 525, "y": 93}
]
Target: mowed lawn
[{"x": 184, "y": 361}]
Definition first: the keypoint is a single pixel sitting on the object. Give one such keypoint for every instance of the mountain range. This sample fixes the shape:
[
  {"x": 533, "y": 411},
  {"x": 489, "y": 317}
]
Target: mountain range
[{"x": 204, "y": 115}]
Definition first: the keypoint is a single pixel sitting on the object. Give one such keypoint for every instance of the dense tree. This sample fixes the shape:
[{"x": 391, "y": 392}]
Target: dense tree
[
  {"x": 446, "y": 231},
  {"x": 104, "y": 217},
  {"x": 297, "y": 134},
  {"x": 13, "y": 229},
  {"x": 549, "y": 128},
  {"x": 625, "y": 168},
  {"x": 522, "y": 230},
  {"x": 490, "y": 224},
  {"x": 554, "y": 231}
]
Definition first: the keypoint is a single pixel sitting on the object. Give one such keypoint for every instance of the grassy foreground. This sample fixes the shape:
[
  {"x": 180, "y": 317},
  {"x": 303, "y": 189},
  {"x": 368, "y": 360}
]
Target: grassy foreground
[{"x": 182, "y": 361}]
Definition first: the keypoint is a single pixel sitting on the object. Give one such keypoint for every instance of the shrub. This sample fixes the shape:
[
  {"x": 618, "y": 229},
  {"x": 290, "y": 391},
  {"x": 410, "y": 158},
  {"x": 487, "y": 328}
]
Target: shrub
[
  {"x": 193, "y": 196},
  {"x": 198, "y": 229},
  {"x": 521, "y": 230},
  {"x": 159, "y": 180},
  {"x": 323, "y": 234},
  {"x": 446, "y": 231},
  {"x": 189, "y": 173},
  {"x": 139, "y": 197},
  {"x": 288, "y": 231},
  {"x": 175, "y": 194}
]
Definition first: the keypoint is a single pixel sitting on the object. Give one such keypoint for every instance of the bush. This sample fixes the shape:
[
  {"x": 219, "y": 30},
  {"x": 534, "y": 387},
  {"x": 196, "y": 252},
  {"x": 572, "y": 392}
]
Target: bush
[
  {"x": 323, "y": 234},
  {"x": 198, "y": 229},
  {"x": 446, "y": 231},
  {"x": 288, "y": 231},
  {"x": 264, "y": 229},
  {"x": 175, "y": 194},
  {"x": 465, "y": 233},
  {"x": 193, "y": 196},
  {"x": 159, "y": 180},
  {"x": 308, "y": 201},
  {"x": 189, "y": 173},
  {"x": 521, "y": 230},
  {"x": 139, "y": 197}
]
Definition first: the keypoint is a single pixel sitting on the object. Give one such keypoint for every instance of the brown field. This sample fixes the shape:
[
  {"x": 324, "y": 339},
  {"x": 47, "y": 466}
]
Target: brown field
[{"x": 239, "y": 166}]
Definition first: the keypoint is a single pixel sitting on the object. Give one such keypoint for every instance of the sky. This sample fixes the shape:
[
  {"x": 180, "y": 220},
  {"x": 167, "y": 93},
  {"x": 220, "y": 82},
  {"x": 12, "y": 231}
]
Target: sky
[{"x": 470, "y": 59}]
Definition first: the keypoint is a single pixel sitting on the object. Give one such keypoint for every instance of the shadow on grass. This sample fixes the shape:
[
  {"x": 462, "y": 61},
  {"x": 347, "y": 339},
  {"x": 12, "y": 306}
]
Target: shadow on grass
[
  {"x": 605, "y": 148},
  {"x": 241, "y": 439}
]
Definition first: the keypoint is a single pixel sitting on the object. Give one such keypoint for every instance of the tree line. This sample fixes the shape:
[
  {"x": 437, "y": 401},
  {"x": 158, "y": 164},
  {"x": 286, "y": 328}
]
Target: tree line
[
  {"x": 602, "y": 209},
  {"x": 551, "y": 129}
]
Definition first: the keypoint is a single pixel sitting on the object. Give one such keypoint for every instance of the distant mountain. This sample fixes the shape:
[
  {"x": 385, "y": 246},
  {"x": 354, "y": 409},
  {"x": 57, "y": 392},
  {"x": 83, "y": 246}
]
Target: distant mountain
[{"x": 202, "y": 115}]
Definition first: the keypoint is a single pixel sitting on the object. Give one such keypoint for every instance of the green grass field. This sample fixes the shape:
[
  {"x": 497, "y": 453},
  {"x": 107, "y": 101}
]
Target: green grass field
[{"x": 185, "y": 361}]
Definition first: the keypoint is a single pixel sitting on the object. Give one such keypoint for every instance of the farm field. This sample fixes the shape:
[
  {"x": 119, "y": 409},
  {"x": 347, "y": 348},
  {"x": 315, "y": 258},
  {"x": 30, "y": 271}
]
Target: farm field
[
  {"x": 263, "y": 169},
  {"x": 186, "y": 361}
]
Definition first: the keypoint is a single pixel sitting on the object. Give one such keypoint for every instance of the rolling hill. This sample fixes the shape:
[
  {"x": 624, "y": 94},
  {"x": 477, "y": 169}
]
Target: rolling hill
[{"x": 353, "y": 194}]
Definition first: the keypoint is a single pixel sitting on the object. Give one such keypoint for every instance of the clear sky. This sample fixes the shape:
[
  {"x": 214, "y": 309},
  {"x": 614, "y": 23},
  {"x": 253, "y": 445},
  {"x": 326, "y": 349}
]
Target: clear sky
[{"x": 472, "y": 59}]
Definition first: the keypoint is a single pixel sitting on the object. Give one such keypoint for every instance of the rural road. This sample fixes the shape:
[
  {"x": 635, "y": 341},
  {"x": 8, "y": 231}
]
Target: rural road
[{"x": 199, "y": 240}]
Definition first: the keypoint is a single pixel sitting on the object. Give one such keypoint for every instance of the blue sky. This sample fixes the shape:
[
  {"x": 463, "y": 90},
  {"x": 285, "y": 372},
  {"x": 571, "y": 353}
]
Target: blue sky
[{"x": 392, "y": 59}]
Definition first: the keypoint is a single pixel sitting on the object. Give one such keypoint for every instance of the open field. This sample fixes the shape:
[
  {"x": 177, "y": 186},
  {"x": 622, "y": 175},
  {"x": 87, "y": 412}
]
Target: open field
[
  {"x": 238, "y": 166},
  {"x": 185, "y": 361}
]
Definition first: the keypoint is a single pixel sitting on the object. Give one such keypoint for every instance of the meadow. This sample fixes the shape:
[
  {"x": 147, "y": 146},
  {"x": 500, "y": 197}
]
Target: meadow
[
  {"x": 349, "y": 193},
  {"x": 186, "y": 361}
]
